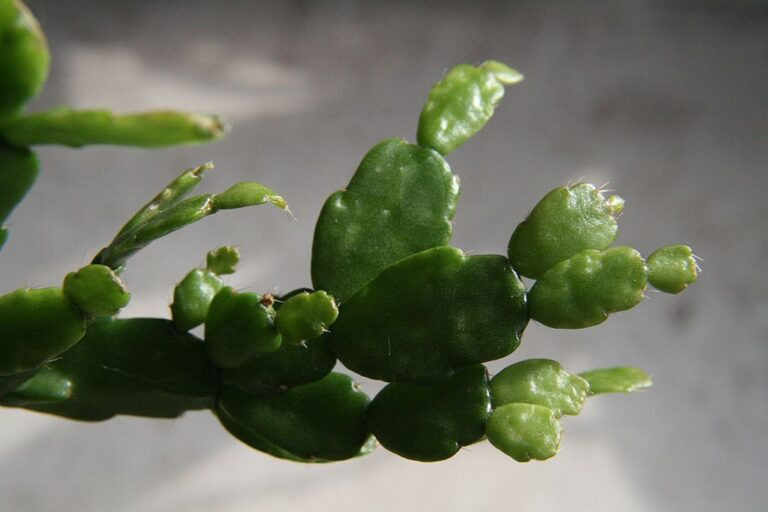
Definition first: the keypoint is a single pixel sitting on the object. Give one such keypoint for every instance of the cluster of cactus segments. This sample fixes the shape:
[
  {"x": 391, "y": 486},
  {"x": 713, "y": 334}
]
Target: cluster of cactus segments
[{"x": 391, "y": 300}]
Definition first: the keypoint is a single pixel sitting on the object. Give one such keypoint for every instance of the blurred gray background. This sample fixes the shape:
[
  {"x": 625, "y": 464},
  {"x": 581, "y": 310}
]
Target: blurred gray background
[{"x": 667, "y": 101}]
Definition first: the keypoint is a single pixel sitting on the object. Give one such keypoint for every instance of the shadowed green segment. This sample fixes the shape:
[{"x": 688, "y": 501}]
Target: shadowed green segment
[
  {"x": 319, "y": 422},
  {"x": 525, "y": 431},
  {"x": 429, "y": 315},
  {"x": 565, "y": 222},
  {"x": 79, "y": 128},
  {"x": 461, "y": 103},
  {"x": 616, "y": 380},
  {"x": 139, "y": 366},
  {"x": 431, "y": 423},
  {"x": 24, "y": 58},
  {"x": 583, "y": 290},
  {"x": 672, "y": 268},
  {"x": 36, "y": 325},
  {"x": 19, "y": 168},
  {"x": 399, "y": 202},
  {"x": 540, "y": 382}
]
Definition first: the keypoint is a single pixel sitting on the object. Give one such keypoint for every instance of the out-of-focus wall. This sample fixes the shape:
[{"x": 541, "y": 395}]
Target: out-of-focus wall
[{"x": 666, "y": 101}]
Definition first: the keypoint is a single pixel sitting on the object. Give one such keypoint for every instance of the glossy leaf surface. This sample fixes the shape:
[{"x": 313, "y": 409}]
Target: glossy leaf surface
[
  {"x": 616, "y": 380},
  {"x": 399, "y": 202},
  {"x": 525, "y": 431},
  {"x": 672, "y": 268},
  {"x": 429, "y": 315}
]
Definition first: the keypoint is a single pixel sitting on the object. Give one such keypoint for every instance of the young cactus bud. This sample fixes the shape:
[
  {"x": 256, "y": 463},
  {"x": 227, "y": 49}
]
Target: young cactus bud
[
  {"x": 525, "y": 431},
  {"x": 306, "y": 316},
  {"x": 672, "y": 268},
  {"x": 97, "y": 290},
  {"x": 36, "y": 325},
  {"x": 540, "y": 382},
  {"x": 461, "y": 103},
  {"x": 193, "y": 295},
  {"x": 584, "y": 289},
  {"x": 239, "y": 326},
  {"x": 565, "y": 222}
]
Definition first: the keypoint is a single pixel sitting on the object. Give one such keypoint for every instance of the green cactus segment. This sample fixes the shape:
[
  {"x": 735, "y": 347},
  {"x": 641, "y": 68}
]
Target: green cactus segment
[
  {"x": 525, "y": 431},
  {"x": 96, "y": 290},
  {"x": 320, "y": 422},
  {"x": 583, "y": 290},
  {"x": 427, "y": 316},
  {"x": 139, "y": 367},
  {"x": 616, "y": 380},
  {"x": 192, "y": 298},
  {"x": 461, "y": 103},
  {"x": 399, "y": 202},
  {"x": 565, "y": 222},
  {"x": 79, "y": 128},
  {"x": 306, "y": 316},
  {"x": 24, "y": 58},
  {"x": 287, "y": 367},
  {"x": 36, "y": 325},
  {"x": 248, "y": 193},
  {"x": 238, "y": 327},
  {"x": 223, "y": 260},
  {"x": 164, "y": 215},
  {"x": 3, "y": 237},
  {"x": 540, "y": 382},
  {"x": 18, "y": 171},
  {"x": 671, "y": 269},
  {"x": 431, "y": 423}
]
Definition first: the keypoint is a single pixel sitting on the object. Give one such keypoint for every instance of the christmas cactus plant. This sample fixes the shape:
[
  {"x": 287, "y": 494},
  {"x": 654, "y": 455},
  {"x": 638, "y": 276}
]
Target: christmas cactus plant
[{"x": 390, "y": 299}]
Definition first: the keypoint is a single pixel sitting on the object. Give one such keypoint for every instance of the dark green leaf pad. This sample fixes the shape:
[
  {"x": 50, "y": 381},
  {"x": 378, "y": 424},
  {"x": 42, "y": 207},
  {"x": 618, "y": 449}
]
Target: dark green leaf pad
[
  {"x": 306, "y": 316},
  {"x": 36, "y": 324},
  {"x": 18, "y": 171},
  {"x": 320, "y": 422},
  {"x": 565, "y": 222},
  {"x": 583, "y": 290},
  {"x": 461, "y": 103},
  {"x": 399, "y": 202},
  {"x": 672, "y": 268},
  {"x": 192, "y": 297},
  {"x": 24, "y": 58},
  {"x": 97, "y": 290},
  {"x": 138, "y": 366},
  {"x": 616, "y": 380},
  {"x": 525, "y": 431},
  {"x": 540, "y": 382},
  {"x": 239, "y": 326},
  {"x": 287, "y": 367},
  {"x": 431, "y": 423},
  {"x": 431, "y": 314}
]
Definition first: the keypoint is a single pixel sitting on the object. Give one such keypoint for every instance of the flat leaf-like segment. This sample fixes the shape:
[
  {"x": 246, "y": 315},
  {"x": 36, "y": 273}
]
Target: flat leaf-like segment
[
  {"x": 138, "y": 366},
  {"x": 399, "y": 202},
  {"x": 584, "y": 289},
  {"x": 461, "y": 103},
  {"x": 431, "y": 423},
  {"x": 429, "y": 315},
  {"x": 18, "y": 171},
  {"x": 319, "y": 422},
  {"x": 565, "y": 222}
]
